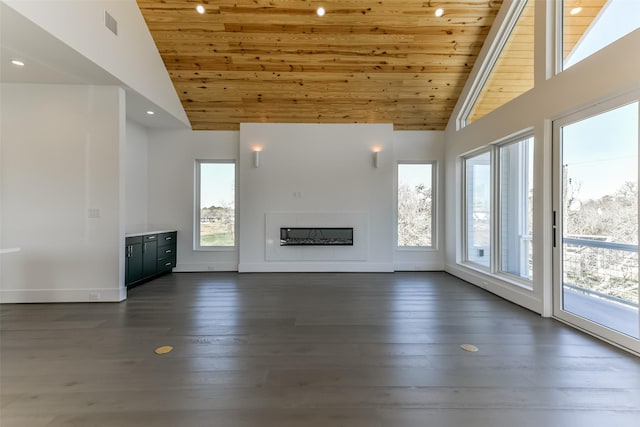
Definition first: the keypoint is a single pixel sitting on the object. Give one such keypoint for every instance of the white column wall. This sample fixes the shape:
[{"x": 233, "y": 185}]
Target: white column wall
[
  {"x": 319, "y": 175},
  {"x": 61, "y": 200}
]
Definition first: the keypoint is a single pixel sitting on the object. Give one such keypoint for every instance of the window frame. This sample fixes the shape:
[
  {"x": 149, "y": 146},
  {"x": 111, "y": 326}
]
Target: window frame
[
  {"x": 515, "y": 139},
  {"x": 434, "y": 204},
  {"x": 495, "y": 222},
  {"x": 196, "y": 206},
  {"x": 465, "y": 229}
]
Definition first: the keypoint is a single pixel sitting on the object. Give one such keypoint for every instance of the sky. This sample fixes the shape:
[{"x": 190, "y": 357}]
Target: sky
[
  {"x": 217, "y": 184},
  {"x": 601, "y": 152},
  {"x": 414, "y": 174}
]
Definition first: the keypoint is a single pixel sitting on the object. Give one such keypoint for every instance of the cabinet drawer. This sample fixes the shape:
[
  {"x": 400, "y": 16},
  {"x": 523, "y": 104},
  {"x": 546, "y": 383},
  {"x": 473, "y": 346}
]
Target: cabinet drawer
[
  {"x": 166, "y": 264},
  {"x": 150, "y": 238},
  {"x": 133, "y": 240},
  {"x": 166, "y": 252},
  {"x": 165, "y": 239}
]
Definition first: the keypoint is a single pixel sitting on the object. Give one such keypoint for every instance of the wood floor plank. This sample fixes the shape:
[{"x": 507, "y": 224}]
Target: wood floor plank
[{"x": 307, "y": 350}]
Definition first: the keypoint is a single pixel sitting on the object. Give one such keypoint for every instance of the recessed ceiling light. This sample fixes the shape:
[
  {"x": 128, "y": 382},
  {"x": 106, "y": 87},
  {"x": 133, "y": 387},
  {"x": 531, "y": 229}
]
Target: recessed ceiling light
[
  {"x": 151, "y": 113},
  {"x": 576, "y": 10},
  {"x": 17, "y": 63},
  {"x": 320, "y": 11},
  {"x": 439, "y": 12},
  {"x": 200, "y": 9}
]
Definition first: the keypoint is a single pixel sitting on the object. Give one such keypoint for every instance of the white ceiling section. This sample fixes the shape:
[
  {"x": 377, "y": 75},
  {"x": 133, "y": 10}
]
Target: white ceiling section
[{"x": 51, "y": 61}]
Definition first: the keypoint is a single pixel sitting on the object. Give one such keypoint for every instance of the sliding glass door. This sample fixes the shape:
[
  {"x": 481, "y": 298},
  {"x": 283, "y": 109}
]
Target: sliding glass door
[{"x": 596, "y": 222}]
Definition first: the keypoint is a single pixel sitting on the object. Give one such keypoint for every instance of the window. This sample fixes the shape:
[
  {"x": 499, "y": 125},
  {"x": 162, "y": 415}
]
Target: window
[
  {"x": 588, "y": 26},
  {"x": 498, "y": 235},
  {"x": 516, "y": 214},
  {"x": 215, "y": 218},
  {"x": 415, "y": 204},
  {"x": 509, "y": 69},
  {"x": 478, "y": 209}
]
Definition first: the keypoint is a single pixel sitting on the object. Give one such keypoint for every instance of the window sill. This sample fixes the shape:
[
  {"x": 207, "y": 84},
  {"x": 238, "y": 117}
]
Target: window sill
[
  {"x": 216, "y": 249},
  {"x": 416, "y": 249}
]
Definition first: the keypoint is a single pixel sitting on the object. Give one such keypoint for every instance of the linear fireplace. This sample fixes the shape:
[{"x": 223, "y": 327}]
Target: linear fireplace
[{"x": 317, "y": 236}]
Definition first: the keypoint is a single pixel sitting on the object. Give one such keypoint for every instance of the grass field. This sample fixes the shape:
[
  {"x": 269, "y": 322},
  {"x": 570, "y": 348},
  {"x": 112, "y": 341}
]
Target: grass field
[{"x": 212, "y": 234}]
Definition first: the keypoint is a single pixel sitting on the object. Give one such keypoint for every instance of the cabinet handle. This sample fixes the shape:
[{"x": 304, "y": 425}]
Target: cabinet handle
[
  {"x": 167, "y": 238},
  {"x": 151, "y": 237},
  {"x": 168, "y": 251},
  {"x": 167, "y": 264}
]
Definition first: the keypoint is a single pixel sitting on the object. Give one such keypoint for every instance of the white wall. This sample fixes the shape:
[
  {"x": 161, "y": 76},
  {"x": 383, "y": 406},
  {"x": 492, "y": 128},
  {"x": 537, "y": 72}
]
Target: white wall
[
  {"x": 338, "y": 178},
  {"x": 131, "y": 56},
  {"x": 610, "y": 72},
  {"x": 422, "y": 146},
  {"x": 322, "y": 174},
  {"x": 136, "y": 177},
  {"x": 171, "y": 178},
  {"x": 61, "y": 201}
]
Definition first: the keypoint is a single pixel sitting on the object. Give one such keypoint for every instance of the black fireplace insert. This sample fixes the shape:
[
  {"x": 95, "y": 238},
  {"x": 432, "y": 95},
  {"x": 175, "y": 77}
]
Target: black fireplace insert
[{"x": 319, "y": 236}]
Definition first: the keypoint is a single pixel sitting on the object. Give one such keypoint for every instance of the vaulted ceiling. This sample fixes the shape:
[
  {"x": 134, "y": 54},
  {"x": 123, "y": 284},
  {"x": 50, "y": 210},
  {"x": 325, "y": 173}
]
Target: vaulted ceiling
[{"x": 277, "y": 61}]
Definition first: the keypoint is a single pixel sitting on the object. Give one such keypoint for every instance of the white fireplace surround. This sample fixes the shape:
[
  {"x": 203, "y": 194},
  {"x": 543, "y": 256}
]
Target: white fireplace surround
[{"x": 276, "y": 220}]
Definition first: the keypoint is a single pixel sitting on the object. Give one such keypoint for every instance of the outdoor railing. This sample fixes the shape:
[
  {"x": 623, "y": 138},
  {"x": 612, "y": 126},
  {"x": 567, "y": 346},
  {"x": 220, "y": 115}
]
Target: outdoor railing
[{"x": 605, "y": 269}]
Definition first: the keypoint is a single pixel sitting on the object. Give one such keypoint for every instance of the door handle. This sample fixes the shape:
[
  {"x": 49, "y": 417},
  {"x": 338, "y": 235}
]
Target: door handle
[{"x": 555, "y": 228}]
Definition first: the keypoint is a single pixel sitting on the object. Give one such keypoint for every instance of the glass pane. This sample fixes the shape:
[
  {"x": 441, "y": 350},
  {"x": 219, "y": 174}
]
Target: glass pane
[
  {"x": 600, "y": 219},
  {"x": 512, "y": 73},
  {"x": 478, "y": 208},
  {"x": 516, "y": 208},
  {"x": 217, "y": 204},
  {"x": 415, "y": 204},
  {"x": 590, "y": 25}
]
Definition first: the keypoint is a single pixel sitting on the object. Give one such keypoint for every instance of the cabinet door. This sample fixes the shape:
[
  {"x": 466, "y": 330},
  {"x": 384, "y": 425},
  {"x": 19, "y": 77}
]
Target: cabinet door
[
  {"x": 149, "y": 258},
  {"x": 133, "y": 271}
]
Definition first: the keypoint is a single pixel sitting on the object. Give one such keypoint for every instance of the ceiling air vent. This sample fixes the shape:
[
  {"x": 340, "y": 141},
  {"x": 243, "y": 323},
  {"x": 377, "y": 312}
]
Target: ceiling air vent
[{"x": 111, "y": 23}]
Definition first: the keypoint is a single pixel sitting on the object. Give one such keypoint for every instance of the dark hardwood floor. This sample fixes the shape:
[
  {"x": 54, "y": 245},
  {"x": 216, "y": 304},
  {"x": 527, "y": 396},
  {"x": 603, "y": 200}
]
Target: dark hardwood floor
[{"x": 307, "y": 350}]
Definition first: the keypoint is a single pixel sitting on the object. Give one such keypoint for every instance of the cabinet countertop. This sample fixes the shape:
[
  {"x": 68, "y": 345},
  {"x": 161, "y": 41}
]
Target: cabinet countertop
[{"x": 149, "y": 231}]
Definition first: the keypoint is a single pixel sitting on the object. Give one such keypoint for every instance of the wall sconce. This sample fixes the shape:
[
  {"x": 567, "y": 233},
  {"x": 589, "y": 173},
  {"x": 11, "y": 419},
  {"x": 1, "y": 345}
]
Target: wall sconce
[
  {"x": 256, "y": 158},
  {"x": 376, "y": 157}
]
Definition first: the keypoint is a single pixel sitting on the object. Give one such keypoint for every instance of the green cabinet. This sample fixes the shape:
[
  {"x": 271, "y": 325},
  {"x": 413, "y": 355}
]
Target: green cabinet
[
  {"x": 166, "y": 251},
  {"x": 148, "y": 256},
  {"x": 133, "y": 266}
]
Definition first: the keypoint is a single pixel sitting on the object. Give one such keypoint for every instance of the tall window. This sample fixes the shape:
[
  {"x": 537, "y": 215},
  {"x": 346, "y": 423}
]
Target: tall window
[
  {"x": 415, "y": 204},
  {"x": 478, "y": 209},
  {"x": 498, "y": 235},
  {"x": 215, "y": 219},
  {"x": 516, "y": 213},
  {"x": 588, "y": 26}
]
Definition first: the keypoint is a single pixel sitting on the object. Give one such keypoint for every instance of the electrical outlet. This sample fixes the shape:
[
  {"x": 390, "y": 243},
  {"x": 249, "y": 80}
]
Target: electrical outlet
[{"x": 94, "y": 296}]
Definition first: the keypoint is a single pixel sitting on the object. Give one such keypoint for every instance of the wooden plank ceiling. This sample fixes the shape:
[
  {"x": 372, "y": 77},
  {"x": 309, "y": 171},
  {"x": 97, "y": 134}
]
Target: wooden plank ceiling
[{"x": 276, "y": 61}]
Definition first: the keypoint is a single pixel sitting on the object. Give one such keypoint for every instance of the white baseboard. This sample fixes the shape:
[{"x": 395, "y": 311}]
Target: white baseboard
[
  {"x": 202, "y": 267},
  {"x": 315, "y": 267},
  {"x": 422, "y": 266},
  {"x": 10, "y": 296},
  {"x": 522, "y": 297}
]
